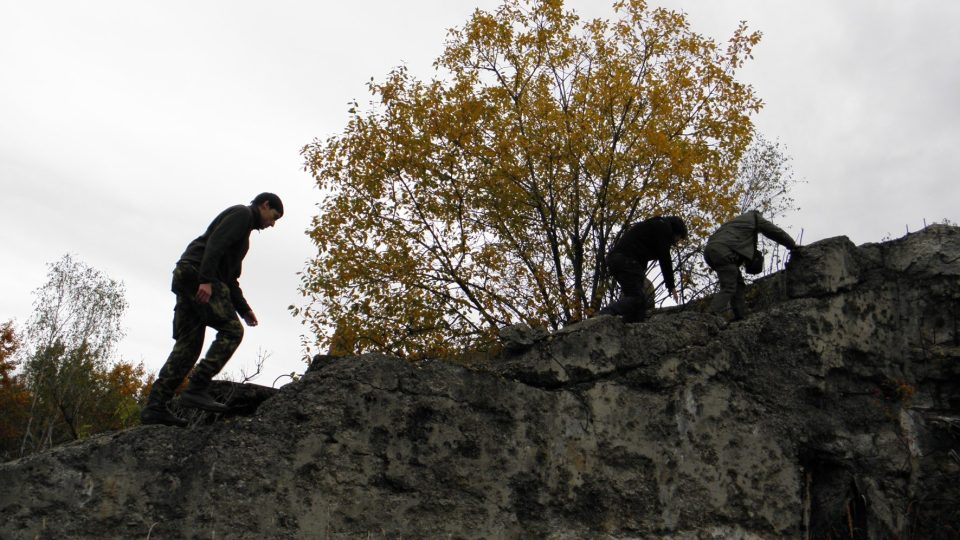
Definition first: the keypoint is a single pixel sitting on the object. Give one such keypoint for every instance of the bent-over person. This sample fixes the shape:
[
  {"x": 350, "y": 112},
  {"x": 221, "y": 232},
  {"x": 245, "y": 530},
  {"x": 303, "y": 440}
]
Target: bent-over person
[
  {"x": 731, "y": 246},
  {"x": 627, "y": 261}
]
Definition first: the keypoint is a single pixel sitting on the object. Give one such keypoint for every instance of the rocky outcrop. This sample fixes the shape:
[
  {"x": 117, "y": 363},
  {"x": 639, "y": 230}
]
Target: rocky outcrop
[{"x": 831, "y": 412}]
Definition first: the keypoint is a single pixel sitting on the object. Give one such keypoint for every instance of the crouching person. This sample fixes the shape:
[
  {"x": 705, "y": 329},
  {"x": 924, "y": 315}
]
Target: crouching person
[{"x": 627, "y": 262}]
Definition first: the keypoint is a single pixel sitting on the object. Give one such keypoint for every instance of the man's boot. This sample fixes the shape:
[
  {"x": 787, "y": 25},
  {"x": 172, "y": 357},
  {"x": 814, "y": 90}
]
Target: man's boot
[
  {"x": 197, "y": 394},
  {"x": 156, "y": 412}
]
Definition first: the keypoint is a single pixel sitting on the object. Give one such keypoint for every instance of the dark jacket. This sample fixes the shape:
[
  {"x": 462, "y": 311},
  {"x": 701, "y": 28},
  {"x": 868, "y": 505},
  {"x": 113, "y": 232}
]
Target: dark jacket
[
  {"x": 740, "y": 234},
  {"x": 647, "y": 241},
  {"x": 218, "y": 253}
]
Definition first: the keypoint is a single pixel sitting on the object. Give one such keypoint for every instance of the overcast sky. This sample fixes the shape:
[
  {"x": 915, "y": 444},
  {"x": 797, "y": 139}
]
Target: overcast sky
[{"x": 126, "y": 126}]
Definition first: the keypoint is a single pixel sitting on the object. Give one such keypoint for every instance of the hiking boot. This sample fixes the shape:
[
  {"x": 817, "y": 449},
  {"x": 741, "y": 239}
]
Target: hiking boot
[
  {"x": 160, "y": 414},
  {"x": 200, "y": 398}
]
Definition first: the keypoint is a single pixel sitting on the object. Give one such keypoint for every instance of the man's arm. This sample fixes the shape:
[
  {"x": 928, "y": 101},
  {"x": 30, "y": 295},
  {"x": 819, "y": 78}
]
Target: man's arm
[
  {"x": 775, "y": 233},
  {"x": 239, "y": 302},
  {"x": 664, "y": 241}
]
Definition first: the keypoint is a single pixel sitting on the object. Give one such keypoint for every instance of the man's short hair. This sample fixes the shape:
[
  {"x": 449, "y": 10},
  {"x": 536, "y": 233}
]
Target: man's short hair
[{"x": 272, "y": 199}]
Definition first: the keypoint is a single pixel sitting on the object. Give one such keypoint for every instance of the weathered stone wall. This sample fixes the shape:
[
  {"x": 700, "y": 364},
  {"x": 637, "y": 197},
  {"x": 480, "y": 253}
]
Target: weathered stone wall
[{"x": 831, "y": 412}]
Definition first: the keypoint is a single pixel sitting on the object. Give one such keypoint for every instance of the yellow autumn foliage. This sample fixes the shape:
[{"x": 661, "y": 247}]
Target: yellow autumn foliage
[{"x": 489, "y": 195}]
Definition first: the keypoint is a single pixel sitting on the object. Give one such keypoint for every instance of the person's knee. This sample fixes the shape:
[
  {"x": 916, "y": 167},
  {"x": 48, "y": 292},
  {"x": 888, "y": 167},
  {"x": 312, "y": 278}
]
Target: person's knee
[
  {"x": 232, "y": 331},
  {"x": 186, "y": 350}
]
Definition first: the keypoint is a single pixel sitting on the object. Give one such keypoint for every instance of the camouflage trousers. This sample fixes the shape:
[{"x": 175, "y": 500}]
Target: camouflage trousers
[{"x": 190, "y": 320}]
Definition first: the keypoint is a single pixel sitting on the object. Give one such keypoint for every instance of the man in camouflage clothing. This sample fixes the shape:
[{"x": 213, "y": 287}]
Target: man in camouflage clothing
[
  {"x": 205, "y": 281},
  {"x": 732, "y": 245}
]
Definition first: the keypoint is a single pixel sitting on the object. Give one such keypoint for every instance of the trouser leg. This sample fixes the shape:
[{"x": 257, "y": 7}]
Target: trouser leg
[
  {"x": 730, "y": 282},
  {"x": 221, "y": 316},
  {"x": 726, "y": 265},
  {"x": 631, "y": 276},
  {"x": 220, "y": 351},
  {"x": 636, "y": 299},
  {"x": 189, "y": 333},
  {"x": 189, "y": 324}
]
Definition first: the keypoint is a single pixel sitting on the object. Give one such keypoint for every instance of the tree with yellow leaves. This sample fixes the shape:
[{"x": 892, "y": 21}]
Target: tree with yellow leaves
[{"x": 489, "y": 195}]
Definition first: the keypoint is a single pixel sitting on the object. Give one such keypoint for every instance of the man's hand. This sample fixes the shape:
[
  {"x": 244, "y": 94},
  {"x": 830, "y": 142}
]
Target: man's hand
[
  {"x": 204, "y": 291},
  {"x": 251, "y": 319}
]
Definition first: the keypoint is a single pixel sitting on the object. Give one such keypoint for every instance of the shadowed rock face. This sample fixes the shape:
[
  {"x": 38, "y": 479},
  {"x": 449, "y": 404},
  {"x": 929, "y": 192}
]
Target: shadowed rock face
[{"x": 831, "y": 412}]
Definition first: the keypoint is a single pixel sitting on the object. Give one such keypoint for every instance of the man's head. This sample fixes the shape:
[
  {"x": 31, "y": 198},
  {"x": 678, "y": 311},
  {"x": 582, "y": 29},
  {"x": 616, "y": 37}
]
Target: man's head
[
  {"x": 270, "y": 208},
  {"x": 678, "y": 227}
]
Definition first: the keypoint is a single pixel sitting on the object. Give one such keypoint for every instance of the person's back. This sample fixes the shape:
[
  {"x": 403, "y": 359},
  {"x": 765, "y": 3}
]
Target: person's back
[
  {"x": 646, "y": 241},
  {"x": 740, "y": 234},
  {"x": 230, "y": 224}
]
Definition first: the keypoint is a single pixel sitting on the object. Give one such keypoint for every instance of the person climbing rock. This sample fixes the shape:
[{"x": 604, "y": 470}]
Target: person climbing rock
[
  {"x": 206, "y": 283},
  {"x": 627, "y": 261},
  {"x": 731, "y": 246}
]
